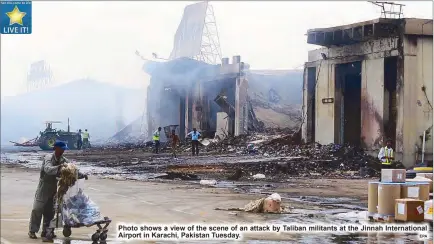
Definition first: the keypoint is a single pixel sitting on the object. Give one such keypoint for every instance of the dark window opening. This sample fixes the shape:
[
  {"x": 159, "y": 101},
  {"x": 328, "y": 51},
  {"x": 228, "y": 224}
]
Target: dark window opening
[{"x": 311, "y": 98}]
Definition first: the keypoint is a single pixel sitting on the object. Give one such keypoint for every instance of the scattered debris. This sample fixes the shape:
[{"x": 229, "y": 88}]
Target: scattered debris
[
  {"x": 176, "y": 175},
  {"x": 259, "y": 176},
  {"x": 237, "y": 175},
  {"x": 208, "y": 182}
]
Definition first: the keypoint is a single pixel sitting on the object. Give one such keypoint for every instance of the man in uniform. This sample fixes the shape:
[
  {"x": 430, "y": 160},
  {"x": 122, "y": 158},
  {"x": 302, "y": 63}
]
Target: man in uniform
[
  {"x": 386, "y": 156},
  {"x": 156, "y": 139},
  {"x": 43, "y": 204},
  {"x": 194, "y": 141}
]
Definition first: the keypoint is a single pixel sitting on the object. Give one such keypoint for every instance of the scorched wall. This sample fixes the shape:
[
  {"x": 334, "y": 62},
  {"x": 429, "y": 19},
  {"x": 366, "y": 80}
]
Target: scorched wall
[{"x": 413, "y": 109}]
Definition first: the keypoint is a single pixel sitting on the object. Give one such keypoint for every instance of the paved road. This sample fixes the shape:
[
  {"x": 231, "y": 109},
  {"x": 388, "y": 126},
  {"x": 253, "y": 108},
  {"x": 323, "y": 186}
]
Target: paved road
[{"x": 122, "y": 201}]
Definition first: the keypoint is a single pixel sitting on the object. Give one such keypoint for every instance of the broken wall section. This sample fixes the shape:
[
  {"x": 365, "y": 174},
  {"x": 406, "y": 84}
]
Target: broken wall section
[{"x": 370, "y": 53}]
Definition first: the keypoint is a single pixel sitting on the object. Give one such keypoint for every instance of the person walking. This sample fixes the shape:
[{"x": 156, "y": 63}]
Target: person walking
[
  {"x": 194, "y": 141},
  {"x": 79, "y": 140},
  {"x": 43, "y": 204},
  {"x": 175, "y": 141},
  {"x": 156, "y": 139},
  {"x": 386, "y": 156}
]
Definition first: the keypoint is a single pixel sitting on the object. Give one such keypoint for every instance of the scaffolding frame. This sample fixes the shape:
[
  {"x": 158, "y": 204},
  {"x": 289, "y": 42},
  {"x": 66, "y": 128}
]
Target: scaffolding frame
[
  {"x": 210, "y": 51},
  {"x": 39, "y": 76},
  {"x": 388, "y": 9}
]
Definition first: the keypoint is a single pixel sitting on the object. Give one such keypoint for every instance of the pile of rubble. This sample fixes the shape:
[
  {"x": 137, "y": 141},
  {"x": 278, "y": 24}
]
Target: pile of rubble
[
  {"x": 288, "y": 156},
  {"x": 241, "y": 144},
  {"x": 315, "y": 160}
]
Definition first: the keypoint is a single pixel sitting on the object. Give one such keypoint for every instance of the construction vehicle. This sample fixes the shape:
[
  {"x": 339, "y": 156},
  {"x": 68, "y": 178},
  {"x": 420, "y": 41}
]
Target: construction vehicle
[{"x": 49, "y": 136}]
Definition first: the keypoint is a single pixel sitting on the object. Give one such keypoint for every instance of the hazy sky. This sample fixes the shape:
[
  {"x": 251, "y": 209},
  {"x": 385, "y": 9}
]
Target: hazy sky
[{"x": 99, "y": 39}]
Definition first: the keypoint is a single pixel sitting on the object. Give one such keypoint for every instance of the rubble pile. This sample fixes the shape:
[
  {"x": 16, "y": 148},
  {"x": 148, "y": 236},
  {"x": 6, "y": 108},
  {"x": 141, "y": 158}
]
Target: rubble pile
[
  {"x": 240, "y": 144},
  {"x": 315, "y": 160},
  {"x": 127, "y": 143},
  {"x": 288, "y": 156}
]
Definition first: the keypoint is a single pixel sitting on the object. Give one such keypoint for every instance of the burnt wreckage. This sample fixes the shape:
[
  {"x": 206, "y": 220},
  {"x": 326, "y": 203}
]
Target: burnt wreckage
[{"x": 193, "y": 94}]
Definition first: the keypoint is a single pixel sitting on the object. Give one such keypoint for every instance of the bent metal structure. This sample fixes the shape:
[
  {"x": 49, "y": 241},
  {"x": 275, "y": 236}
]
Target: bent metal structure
[{"x": 193, "y": 94}]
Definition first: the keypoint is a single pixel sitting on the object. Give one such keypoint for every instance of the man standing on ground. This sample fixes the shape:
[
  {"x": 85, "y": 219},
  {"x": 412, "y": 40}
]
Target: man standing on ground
[
  {"x": 386, "y": 156},
  {"x": 79, "y": 141},
  {"x": 156, "y": 139},
  {"x": 43, "y": 204},
  {"x": 86, "y": 139},
  {"x": 175, "y": 141},
  {"x": 194, "y": 141}
]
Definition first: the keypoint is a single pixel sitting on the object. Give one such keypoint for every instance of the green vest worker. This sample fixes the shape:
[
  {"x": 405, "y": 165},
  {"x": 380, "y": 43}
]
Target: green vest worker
[
  {"x": 386, "y": 156},
  {"x": 85, "y": 136},
  {"x": 156, "y": 139}
]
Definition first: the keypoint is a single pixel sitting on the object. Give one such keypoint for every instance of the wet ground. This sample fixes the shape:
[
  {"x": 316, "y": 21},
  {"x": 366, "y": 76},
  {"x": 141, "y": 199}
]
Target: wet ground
[{"x": 141, "y": 197}]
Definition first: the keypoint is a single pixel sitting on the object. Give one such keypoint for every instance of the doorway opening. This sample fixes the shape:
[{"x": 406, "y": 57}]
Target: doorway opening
[
  {"x": 348, "y": 84},
  {"x": 311, "y": 99},
  {"x": 390, "y": 109}
]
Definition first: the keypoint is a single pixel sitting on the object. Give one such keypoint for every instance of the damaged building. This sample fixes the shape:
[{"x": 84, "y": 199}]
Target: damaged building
[
  {"x": 371, "y": 81},
  {"x": 194, "y": 94}
]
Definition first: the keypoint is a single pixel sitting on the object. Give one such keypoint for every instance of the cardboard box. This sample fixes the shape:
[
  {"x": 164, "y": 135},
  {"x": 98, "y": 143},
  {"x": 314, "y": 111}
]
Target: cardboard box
[
  {"x": 393, "y": 175},
  {"x": 428, "y": 213},
  {"x": 410, "y": 210},
  {"x": 422, "y": 179},
  {"x": 415, "y": 190},
  {"x": 425, "y": 175}
]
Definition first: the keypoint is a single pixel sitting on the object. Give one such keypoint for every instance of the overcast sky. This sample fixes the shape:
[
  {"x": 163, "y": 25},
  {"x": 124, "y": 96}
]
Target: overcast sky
[{"x": 99, "y": 39}]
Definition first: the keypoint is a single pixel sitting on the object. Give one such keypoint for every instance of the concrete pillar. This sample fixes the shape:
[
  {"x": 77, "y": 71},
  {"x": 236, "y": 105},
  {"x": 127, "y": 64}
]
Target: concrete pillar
[
  {"x": 225, "y": 61},
  {"x": 241, "y": 116},
  {"x": 236, "y": 59}
]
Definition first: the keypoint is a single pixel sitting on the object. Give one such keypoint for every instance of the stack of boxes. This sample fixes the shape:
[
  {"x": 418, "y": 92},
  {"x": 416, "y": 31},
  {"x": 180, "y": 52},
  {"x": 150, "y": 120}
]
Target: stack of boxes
[{"x": 404, "y": 200}]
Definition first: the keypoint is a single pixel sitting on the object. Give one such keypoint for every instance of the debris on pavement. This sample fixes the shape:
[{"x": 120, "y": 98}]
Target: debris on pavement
[
  {"x": 177, "y": 175},
  {"x": 208, "y": 182},
  {"x": 274, "y": 154},
  {"x": 236, "y": 175},
  {"x": 259, "y": 176}
]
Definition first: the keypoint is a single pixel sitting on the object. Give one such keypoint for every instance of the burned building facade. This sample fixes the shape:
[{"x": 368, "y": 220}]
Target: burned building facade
[
  {"x": 371, "y": 81},
  {"x": 194, "y": 94}
]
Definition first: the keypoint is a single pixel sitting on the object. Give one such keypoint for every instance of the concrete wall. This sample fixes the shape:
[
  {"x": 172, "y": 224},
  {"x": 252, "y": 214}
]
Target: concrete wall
[
  {"x": 416, "y": 110},
  {"x": 372, "y": 104},
  {"x": 324, "y": 113},
  {"x": 371, "y": 53},
  {"x": 373, "y": 49}
]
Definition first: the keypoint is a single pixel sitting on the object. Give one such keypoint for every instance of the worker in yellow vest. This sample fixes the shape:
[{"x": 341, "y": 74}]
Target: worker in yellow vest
[
  {"x": 156, "y": 139},
  {"x": 386, "y": 156},
  {"x": 85, "y": 137}
]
